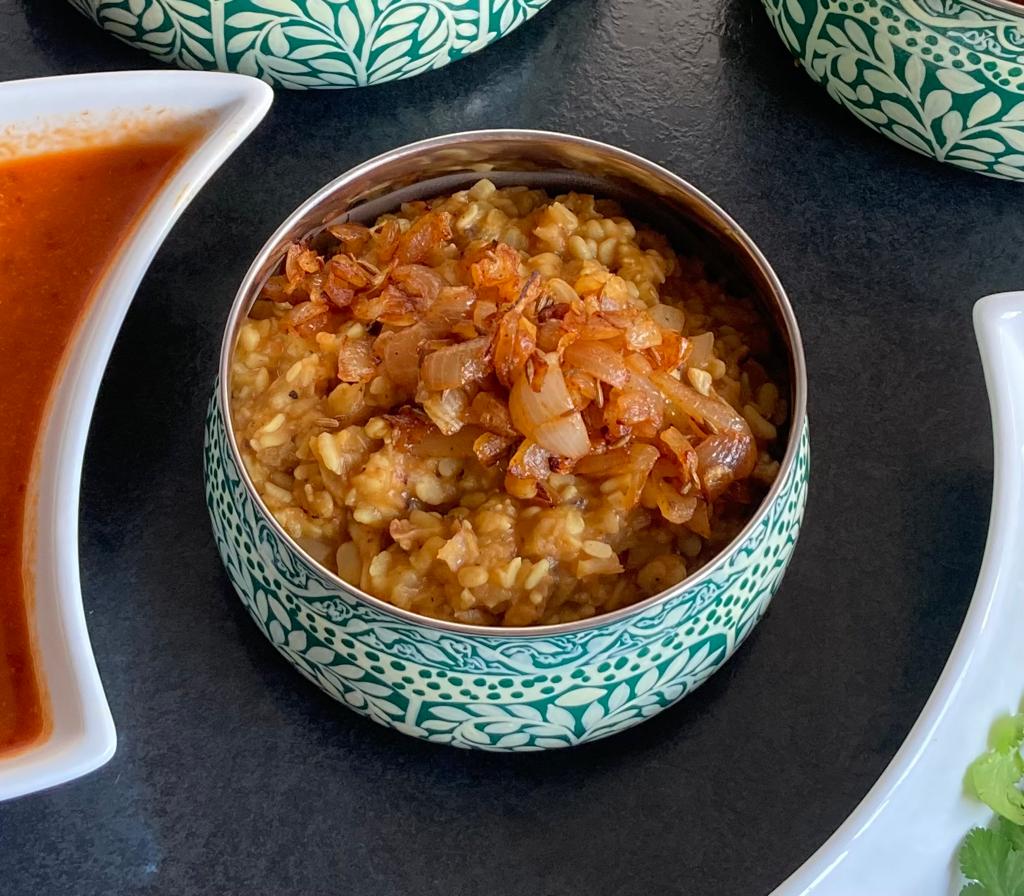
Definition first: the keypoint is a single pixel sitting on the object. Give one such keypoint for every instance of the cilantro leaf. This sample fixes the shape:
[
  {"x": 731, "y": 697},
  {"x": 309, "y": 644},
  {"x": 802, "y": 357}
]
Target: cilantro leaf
[
  {"x": 1012, "y": 832},
  {"x": 986, "y": 859},
  {"x": 995, "y": 775},
  {"x": 982, "y": 854},
  {"x": 1008, "y": 733}
]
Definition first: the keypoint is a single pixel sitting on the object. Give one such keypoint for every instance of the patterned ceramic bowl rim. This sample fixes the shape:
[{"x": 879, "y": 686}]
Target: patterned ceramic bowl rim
[{"x": 586, "y": 150}]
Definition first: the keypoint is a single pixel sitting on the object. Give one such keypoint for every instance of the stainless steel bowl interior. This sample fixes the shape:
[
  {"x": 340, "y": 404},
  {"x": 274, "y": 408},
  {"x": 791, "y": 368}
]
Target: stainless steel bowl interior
[{"x": 558, "y": 163}]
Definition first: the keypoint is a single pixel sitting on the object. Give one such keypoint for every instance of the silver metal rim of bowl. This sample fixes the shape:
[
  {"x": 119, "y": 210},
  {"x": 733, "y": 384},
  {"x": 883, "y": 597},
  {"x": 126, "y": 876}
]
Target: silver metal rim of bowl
[
  {"x": 268, "y": 258},
  {"x": 1011, "y": 6}
]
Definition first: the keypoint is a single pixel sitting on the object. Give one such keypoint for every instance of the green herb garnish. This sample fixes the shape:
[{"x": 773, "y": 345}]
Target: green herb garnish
[{"x": 992, "y": 859}]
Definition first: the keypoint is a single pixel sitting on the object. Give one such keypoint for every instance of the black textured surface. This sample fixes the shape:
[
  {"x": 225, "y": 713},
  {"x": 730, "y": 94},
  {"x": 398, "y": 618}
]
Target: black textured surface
[{"x": 233, "y": 775}]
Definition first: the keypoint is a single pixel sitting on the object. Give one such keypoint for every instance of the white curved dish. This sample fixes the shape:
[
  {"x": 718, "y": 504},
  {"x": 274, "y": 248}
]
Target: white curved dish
[
  {"x": 222, "y": 110},
  {"x": 903, "y": 838}
]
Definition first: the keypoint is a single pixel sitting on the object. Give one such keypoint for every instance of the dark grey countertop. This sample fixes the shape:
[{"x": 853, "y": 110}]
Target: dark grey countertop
[{"x": 233, "y": 775}]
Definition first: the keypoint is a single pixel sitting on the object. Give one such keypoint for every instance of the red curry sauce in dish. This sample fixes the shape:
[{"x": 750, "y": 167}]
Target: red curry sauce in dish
[{"x": 62, "y": 218}]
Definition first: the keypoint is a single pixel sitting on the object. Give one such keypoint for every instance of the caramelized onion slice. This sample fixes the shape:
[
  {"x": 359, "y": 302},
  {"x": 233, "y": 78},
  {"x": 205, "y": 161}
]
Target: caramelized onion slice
[
  {"x": 599, "y": 360},
  {"x": 681, "y": 449},
  {"x": 530, "y": 409},
  {"x": 700, "y": 522},
  {"x": 636, "y": 461},
  {"x": 454, "y": 303},
  {"x": 419, "y": 280},
  {"x": 564, "y": 436},
  {"x": 434, "y": 443},
  {"x": 674, "y": 507},
  {"x": 492, "y": 414},
  {"x": 489, "y": 447},
  {"x": 719, "y": 415},
  {"x": 400, "y": 352},
  {"x": 426, "y": 235},
  {"x": 356, "y": 363},
  {"x": 724, "y": 458},
  {"x": 529, "y": 462},
  {"x": 527, "y": 467},
  {"x": 514, "y": 342},
  {"x": 701, "y": 348},
  {"x": 447, "y": 409},
  {"x": 308, "y": 318},
  {"x": 610, "y": 463},
  {"x": 455, "y": 365},
  {"x": 642, "y": 458},
  {"x": 299, "y": 261}
]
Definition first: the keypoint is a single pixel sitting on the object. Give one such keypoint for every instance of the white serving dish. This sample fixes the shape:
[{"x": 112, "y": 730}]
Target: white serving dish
[
  {"x": 903, "y": 838},
  {"x": 224, "y": 109}
]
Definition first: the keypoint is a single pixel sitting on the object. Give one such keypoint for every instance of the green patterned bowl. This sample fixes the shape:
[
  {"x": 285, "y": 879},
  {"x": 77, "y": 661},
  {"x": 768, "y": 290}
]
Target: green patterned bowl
[
  {"x": 311, "y": 43},
  {"x": 490, "y": 688},
  {"x": 942, "y": 77}
]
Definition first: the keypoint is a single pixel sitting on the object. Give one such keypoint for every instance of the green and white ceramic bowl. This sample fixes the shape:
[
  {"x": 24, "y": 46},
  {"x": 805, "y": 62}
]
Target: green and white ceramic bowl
[
  {"x": 497, "y": 688},
  {"x": 311, "y": 43},
  {"x": 942, "y": 77}
]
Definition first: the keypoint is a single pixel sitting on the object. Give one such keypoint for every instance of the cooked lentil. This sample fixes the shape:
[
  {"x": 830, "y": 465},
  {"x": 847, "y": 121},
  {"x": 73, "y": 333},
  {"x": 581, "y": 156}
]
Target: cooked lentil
[{"x": 505, "y": 409}]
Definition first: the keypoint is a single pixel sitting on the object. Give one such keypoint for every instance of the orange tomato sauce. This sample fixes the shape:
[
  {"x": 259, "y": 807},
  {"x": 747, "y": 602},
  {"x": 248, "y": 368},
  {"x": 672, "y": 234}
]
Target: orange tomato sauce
[{"x": 63, "y": 217}]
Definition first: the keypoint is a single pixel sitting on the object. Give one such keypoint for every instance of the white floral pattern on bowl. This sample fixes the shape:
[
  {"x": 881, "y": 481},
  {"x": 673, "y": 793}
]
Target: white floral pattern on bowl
[
  {"x": 311, "y": 43},
  {"x": 482, "y": 690},
  {"x": 944, "y": 78}
]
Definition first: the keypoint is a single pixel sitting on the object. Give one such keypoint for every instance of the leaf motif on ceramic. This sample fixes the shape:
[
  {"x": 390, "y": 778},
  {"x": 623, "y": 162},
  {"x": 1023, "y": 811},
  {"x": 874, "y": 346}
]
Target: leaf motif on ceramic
[
  {"x": 485, "y": 691},
  {"x": 311, "y": 43},
  {"x": 944, "y": 78}
]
